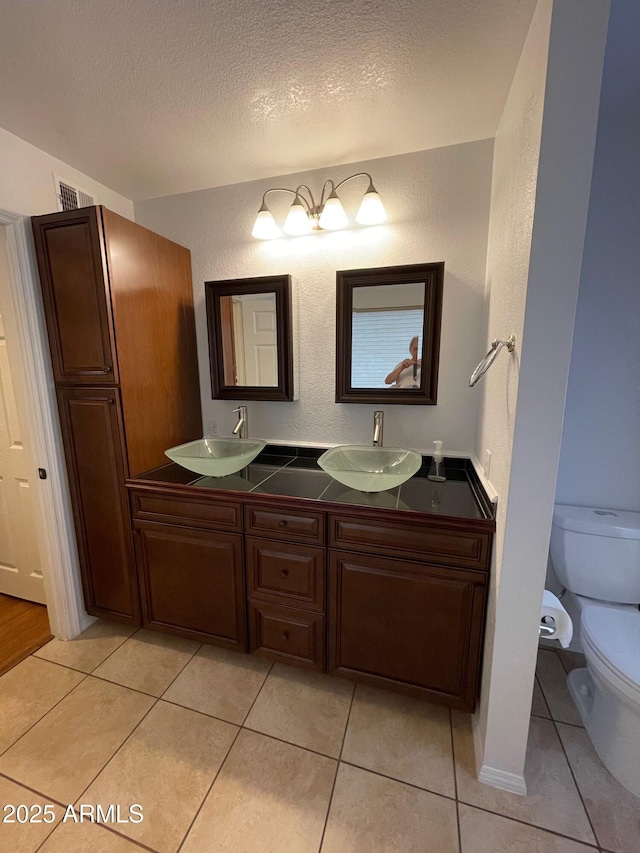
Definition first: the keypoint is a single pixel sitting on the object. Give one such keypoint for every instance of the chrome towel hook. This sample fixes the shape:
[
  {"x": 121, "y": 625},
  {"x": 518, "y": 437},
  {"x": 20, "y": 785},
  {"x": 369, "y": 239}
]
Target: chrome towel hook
[{"x": 490, "y": 357}]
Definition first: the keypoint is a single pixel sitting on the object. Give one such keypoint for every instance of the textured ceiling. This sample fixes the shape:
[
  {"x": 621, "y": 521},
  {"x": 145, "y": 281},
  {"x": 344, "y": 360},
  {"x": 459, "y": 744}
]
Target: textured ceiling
[{"x": 154, "y": 97}]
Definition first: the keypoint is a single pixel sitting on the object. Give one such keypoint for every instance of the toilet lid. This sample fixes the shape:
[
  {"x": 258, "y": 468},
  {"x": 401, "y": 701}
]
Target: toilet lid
[{"x": 615, "y": 635}]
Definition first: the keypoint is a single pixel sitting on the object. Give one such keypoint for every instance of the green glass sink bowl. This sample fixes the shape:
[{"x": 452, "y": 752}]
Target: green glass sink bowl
[
  {"x": 370, "y": 469},
  {"x": 216, "y": 457}
]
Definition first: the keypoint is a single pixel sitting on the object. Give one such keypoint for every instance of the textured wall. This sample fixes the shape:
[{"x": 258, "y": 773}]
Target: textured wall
[
  {"x": 26, "y": 181},
  {"x": 438, "y": 206},
  {"x": 600, "y": 458},
  {"x": 565, "y": 44},
  {"x": 515, "y": 170}
]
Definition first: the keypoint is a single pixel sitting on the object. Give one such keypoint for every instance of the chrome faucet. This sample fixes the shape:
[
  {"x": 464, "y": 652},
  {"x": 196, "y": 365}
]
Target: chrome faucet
[
  {"x": 378, "y": 423},
  {"x": 241, "y": 429}
]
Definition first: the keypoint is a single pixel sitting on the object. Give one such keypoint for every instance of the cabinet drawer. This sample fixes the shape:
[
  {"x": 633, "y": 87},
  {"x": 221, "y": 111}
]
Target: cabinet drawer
[
  {"x": 298, "y": 525},
  {"x": 431, "y": 544},
  {"x": 289, "y": 574},
  {"x": 206, "y": 514},
  {"x": 291, "y": 636}
]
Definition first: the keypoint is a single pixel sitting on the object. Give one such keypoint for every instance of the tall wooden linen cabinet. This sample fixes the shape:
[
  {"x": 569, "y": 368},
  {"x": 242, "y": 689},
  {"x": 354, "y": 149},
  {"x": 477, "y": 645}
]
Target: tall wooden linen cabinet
[{"x": 119, "y": 310}]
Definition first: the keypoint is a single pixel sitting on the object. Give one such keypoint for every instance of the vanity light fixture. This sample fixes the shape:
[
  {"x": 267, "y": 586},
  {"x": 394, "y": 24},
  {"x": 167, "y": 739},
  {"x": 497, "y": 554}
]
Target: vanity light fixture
[{"x": 305, "y": 215}]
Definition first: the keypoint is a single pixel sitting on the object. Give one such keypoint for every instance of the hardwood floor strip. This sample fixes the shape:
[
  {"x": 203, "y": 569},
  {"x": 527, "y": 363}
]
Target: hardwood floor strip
[{"x": 24, "y": 628}]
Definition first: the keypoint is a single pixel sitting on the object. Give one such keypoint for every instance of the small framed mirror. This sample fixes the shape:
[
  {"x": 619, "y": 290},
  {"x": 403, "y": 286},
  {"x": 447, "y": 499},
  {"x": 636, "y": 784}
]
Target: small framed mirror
[
  {"x": 388, "y": 334},
  {"x": 249, "y": 322}
]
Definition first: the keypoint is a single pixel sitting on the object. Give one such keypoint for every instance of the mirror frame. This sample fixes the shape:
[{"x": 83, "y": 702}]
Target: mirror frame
[
  {"x": 346, "y": 280},
  {"x": 281, "y": 286}
]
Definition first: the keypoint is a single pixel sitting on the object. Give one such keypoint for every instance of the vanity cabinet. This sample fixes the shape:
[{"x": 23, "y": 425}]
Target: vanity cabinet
[
  {"x": 119, "y": 312},
  {"x": 386, "y": 597},
  {"x": 192, "y": 582},
  {"x": 189, "y": 555},
  {"x": 408, "y": 625},
  {"x": 407, "y": 603}
]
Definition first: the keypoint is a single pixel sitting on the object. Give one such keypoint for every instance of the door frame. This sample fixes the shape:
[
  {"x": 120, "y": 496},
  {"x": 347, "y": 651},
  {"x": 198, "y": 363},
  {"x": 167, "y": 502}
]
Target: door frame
[{"x": 54, "y": 521}]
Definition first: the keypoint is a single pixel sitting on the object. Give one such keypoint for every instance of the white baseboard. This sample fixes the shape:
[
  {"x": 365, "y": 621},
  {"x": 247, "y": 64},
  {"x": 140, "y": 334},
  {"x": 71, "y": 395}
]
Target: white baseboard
[
  {"x": 85, "y": 621},
  {"x": 504, "y": 781},
  {"x": 492, "y": 776}
]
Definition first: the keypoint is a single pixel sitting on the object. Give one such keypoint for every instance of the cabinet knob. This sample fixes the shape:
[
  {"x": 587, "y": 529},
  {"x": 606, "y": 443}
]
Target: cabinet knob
[
  {"x": 282, "y": 522},
  {"x": 284, "y": 573},
  {"x": 285, "y": 635}
]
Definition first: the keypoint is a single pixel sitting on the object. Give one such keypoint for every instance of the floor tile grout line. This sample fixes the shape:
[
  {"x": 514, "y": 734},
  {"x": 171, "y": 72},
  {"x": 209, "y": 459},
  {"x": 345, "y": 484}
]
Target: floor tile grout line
[
  {"x": 455, "y": 780},
  {"x": 91, "y": 671},
  {"x": 178, "y": 674},
  {"x": 113, "y": 755},
  {"x": 208, "y": 791},
  {"x": 240, "y": 728},
  {"x": 543, "y": 694},
  {"x": 124, "y": 686},
  {"x": 127, "y": 838},
  {"x": 335, "y": 776},
  {"x": 532, "y": 825},
  {"x": 246, "y": 716},
  {"x": 110, "y": 829},
  {"x": 291, "y": 743},
  {"x": 40, "y": 719},
  {"x": 35, "y": 791},
  {"x": 399, "y": 781},
  {"x": 55, "y": 663},
  {"x": 575, "y": 782}
]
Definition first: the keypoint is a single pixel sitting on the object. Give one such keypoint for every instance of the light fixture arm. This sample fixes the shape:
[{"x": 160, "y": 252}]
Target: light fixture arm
[
  {"x": 351, "y": 177},
  {"x": 311, "y": 208}
]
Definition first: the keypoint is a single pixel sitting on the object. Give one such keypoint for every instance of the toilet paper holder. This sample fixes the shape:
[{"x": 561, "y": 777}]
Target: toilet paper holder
[{"x": 547, "y": 626}]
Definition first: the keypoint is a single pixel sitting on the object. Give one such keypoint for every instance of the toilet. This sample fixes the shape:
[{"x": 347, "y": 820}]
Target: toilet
[{"x": 596, "y": 556}]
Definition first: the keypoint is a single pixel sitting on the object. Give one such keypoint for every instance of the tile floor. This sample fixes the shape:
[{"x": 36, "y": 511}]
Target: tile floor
[{"x": 229, "y": 754}]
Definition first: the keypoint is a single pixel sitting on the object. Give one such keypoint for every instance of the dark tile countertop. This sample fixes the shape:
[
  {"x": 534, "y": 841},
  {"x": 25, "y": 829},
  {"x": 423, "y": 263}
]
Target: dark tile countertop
[{"x": 294, "y": 472}]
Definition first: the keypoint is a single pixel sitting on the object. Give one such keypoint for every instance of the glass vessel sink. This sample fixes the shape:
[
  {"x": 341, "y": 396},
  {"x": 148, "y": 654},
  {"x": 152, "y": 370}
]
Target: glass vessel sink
[
  {"x": 216, "y": 457},
  {"x": 370, "y": 469}
]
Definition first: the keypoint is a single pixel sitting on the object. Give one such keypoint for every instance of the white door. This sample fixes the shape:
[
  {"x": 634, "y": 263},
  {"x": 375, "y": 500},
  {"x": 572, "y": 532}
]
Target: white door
[
  {"x": 20, "y": 573},
  {"x": 260, "y": 340}
]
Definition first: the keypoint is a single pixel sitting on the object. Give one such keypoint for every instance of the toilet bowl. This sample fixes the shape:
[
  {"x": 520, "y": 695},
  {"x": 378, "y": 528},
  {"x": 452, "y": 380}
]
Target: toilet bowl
[
  {"x": 607, "y": 691},
  {"x": 596, "y": 555}
]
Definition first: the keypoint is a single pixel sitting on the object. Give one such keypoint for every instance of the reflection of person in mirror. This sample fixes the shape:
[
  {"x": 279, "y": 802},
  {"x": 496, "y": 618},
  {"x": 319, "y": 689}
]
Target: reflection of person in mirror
[{"x": 407, "y": 373}]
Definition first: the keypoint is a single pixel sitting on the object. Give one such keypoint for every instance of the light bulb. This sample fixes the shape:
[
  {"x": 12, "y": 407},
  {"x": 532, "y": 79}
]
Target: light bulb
[
  {"x": 333, "y": 215},
  {"x": 265, "y": 227},
  {"x": 297, "y": 222},
  {"x": 372, "y": 210}
]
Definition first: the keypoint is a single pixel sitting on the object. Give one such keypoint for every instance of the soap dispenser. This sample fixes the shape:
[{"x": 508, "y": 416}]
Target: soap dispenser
[{"x": 436, "y": 471}]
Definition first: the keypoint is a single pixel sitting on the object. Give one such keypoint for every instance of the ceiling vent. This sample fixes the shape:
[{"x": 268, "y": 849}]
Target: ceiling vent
[{"x": 71, "y": 197}]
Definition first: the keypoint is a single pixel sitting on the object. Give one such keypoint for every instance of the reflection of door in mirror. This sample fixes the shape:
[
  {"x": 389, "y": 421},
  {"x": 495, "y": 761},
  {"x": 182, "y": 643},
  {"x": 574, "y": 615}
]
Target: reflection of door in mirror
[
  {"x": 387, "y": 325},
  {"x": 249, "y": 339},
  {"x": 228, "y": 340}
]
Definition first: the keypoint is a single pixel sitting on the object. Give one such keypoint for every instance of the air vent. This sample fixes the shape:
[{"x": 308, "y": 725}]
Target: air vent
[{"x": 71, "y": 197}]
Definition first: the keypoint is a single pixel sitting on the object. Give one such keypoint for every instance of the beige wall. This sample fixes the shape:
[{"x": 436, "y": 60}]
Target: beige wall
[
  {"x": 541, "y": 180},
  {"x": 438, "y": 207},
  {"x": 26, "y": 180}
]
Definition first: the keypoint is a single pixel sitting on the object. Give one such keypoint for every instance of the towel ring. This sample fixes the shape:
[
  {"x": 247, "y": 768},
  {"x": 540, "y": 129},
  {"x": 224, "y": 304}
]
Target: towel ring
[{"x": 490, "y": 357}]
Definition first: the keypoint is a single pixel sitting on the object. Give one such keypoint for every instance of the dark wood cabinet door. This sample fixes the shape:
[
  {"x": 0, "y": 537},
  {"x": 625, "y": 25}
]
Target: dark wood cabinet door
[
  {"x": 192, "y": 583},
  {"x": 407, "y": 626},
  {"x": 92, "y": 434},
  {"x": 74, "y": 281}
]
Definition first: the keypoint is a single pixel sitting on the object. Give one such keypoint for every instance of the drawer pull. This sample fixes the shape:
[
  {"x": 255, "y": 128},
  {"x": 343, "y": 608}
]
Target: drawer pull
[
  {"x": 282, "y": 522},
  {"x": 285, "y": 635},
  {"x": 284, "y": 573}
]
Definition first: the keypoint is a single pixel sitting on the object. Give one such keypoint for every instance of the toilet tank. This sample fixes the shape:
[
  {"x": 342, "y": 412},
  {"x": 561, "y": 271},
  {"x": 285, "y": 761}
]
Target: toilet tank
[{"x": 596, "y": 552}]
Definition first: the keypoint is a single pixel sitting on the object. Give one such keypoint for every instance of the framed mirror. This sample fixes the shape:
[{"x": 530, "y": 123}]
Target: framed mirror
[
  {"x": 249, "y": 321},
  {"x": 388, "y": 334}
]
